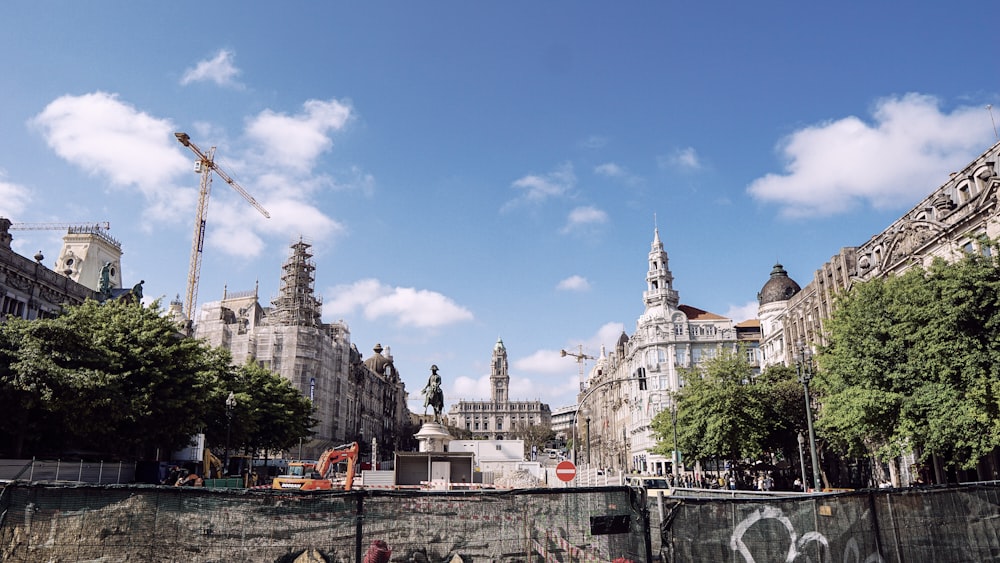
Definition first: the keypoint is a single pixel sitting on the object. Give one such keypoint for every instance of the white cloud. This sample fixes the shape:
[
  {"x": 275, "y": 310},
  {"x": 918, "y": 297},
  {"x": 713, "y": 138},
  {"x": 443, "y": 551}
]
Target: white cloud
[
  {"x": 235, "y": 225},
  {"x": 295, "y": 142},
  {"x": 609, "y": 169},
  {"x": 134, "y": 150},
  {"x": 219, "y": 70},
  {"x": 13, "y": 198},
  {"x": 408, "y": 306},
  {"x": 472, "y": 389},
  {"x": 574, "y": 283},
  {"x": 740, "y": 313},
  {"x": 617, "y": 172},
  {"x": 552, "y": 361},
  {"x": 109, "y": 138},
  {"x": 583, "y": 217},
  {"x": 683, "y": 159},
  {"x": 593, "y": 142},
  {"x": 908, "y": 149},
  {"x": 536, "y": 189}
]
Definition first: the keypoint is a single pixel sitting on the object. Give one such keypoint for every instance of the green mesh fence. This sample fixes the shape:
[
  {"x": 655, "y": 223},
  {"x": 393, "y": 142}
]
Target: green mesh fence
[
  {"x": 47, "y": 522},
  {"x": 940, "y": 525}
]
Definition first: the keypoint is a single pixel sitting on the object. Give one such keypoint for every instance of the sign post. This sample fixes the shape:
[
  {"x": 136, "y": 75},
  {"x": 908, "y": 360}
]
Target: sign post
[{"x": 566, "y": 471}]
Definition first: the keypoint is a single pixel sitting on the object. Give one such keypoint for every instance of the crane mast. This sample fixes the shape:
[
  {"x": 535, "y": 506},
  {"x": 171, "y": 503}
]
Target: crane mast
[{"x": 205, "y": 165}]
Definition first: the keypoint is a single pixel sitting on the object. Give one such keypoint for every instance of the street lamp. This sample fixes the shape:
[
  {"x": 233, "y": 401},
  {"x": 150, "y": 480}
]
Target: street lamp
[
  {"x": 230, "y": 404},
  {"x": 804, "y": 368},
  {"x": 676, "y": 456},
  {"x": 580, "y": 358}
]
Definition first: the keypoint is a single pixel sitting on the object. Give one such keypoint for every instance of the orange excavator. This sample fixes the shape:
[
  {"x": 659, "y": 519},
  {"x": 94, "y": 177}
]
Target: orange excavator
[{"x": 306, "y": 476}]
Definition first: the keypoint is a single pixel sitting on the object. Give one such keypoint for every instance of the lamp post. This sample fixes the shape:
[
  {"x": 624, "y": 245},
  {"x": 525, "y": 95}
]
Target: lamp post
[
  {"x": 230, "y": 404},
  {"x": 802, "y": 460},
  {"x": 803, "y": 364},
  {"x": 675, "y": 463},
  {"x": 580, "y": 358}
]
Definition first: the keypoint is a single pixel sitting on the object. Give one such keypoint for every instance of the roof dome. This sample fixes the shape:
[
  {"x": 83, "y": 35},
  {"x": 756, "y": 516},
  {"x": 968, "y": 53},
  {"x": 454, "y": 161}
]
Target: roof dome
[
  {"x": 379, "y": 363},
  {"x": 779, "y": 288}
]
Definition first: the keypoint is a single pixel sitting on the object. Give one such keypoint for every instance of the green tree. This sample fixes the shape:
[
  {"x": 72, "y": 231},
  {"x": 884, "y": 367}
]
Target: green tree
[
  {"x": 118, "y": 379},
  {"x": 913, "y": 361},
  {"x": 721, "y": 412},
  {"x": 785, "y": 410},
  {"x": 860, "y": 380},
  {"x": 534, "y": 435},
  {"x": 113, "y": 378},
  {"x": 276, "y": 415}
]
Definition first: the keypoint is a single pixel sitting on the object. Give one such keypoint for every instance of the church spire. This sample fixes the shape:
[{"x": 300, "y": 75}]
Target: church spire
[{"x": 659, "y": 281}]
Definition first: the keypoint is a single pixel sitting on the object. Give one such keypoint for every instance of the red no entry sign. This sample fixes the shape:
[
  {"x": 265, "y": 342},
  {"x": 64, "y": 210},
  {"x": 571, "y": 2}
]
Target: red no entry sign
[{"x": 566, "y": 471}]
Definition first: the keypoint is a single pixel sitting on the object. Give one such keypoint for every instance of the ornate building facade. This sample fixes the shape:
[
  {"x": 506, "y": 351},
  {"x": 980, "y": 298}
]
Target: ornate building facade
[
  {"x": 953, "y": 220},
  {"x": 499, "y": 418},
  {"x": 30, "y": 290},
  {"x": 638, "y": 379},
  {"x": 353, "y": 399}
]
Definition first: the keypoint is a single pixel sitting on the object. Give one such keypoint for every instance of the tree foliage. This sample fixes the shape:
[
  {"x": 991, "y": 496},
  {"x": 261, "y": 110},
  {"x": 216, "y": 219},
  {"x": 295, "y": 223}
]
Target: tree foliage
[
  {"x": 118, "y": 380},
  {"x": 913, "y": 362},
  {"x": 534, "y": 435},
  {"x": 721, "y": 412}
]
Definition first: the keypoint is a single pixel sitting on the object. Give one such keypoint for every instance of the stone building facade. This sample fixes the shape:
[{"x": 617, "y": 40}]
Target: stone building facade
[
  {"x": 30, "y": 290},
  {"x": 498, "y": 418},
  {"x": 627, "y": 388},
  {"x": 353, "y": 399},
  {"x": 953, "y": 220}
]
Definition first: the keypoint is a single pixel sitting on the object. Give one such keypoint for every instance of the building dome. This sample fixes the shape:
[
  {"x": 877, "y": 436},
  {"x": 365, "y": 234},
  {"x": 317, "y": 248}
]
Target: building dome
[
  {"x": 379, "y": 363},
  {"x": 779, "y": 288}
]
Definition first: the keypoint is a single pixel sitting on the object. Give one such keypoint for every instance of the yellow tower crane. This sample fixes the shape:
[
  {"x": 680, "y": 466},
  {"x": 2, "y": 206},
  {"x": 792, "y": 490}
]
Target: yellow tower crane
[{"x": 205, "y": 165}]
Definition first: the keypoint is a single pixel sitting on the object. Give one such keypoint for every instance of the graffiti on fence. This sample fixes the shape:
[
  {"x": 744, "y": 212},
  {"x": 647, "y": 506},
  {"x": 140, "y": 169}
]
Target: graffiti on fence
[{"x": 797, "y": 545}]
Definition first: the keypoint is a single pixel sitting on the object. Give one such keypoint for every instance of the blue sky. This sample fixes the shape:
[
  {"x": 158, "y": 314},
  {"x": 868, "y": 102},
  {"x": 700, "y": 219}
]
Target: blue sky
[{"x": 473, "y": 170}]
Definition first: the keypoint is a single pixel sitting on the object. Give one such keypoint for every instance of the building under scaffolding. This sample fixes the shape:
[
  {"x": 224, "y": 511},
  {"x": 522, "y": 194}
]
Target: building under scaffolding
[{"x": 354, "y": 400}]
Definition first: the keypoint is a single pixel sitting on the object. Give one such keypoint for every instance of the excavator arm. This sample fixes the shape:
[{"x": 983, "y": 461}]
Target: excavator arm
[{"x": 346, "y": 452}]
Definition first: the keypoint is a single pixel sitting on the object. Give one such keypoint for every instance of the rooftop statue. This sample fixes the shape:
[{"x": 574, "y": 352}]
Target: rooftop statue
[{"x": 105, "y": 287}]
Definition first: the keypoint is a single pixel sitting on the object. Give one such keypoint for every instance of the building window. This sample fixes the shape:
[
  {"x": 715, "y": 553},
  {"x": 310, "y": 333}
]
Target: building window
[
  {"x": 499, "y": 424},
  {"x": 498, "y": 447}
]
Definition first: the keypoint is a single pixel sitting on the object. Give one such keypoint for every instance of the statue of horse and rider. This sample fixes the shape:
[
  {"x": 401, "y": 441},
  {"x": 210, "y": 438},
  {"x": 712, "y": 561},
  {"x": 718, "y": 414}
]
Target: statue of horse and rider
[{"x": 433, "y": 395}]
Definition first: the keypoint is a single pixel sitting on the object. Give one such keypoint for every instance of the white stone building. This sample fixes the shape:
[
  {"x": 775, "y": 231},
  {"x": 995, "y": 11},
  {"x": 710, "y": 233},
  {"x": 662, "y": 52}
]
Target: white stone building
[{"x": 628, "y": 387}]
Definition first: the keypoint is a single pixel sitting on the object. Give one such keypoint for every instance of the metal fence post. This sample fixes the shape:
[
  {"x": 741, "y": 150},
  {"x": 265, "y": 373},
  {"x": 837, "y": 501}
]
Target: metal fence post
[{"x": 359, "y": 530}]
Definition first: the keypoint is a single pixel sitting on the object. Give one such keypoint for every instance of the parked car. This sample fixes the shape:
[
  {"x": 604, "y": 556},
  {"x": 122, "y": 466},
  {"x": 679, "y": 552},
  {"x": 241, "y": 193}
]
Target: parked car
[{"x": 652, "y": 484}]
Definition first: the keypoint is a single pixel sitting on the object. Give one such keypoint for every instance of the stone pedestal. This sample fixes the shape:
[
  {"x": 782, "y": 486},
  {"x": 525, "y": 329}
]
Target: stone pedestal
[{"x": 433, "y": 437}]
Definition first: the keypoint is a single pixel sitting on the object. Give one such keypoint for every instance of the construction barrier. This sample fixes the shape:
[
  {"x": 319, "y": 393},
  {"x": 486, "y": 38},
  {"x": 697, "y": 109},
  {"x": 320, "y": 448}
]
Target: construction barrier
[
  {"x": 52, "y": 522},
  {"x": 946, "y": 524}
]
